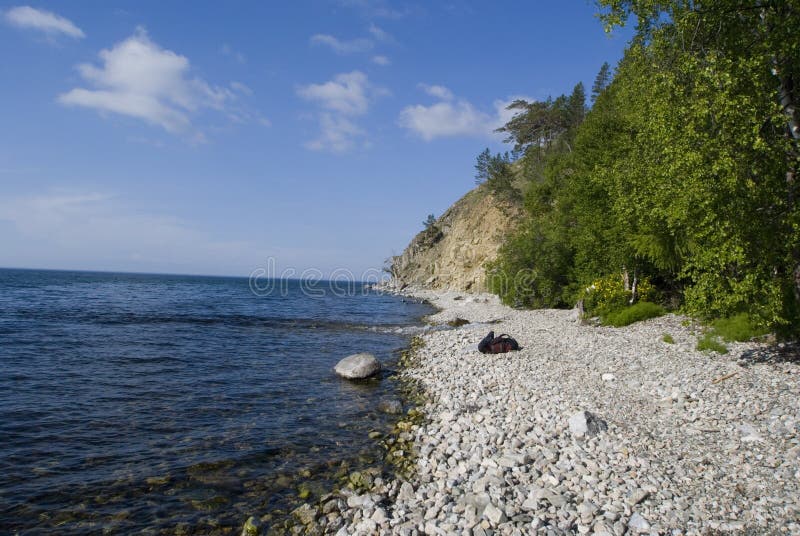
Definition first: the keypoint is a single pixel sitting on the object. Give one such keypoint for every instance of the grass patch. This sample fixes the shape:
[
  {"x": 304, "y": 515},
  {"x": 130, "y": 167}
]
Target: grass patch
[
  {"x": 709, "y": 342},
  {"x": 667, "y": 338},
  {"x": 737, "y": 328},
  {"x": 634, "y": 313}
]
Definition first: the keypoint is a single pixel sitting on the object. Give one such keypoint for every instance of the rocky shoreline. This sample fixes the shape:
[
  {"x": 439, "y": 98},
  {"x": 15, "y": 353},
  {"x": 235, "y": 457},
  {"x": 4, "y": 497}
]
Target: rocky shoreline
[{"x": 695, "y": 443}]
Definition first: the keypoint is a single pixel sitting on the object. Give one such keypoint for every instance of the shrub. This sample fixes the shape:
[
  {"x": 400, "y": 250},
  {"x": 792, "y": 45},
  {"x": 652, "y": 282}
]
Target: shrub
[
  {"x": 710, "y": 343},
  {"x": 667, "y": 338},
  {"x": 634, "y": 313},
  {"x": 739, "y": 328},
  {"x": 608, "y": 294}
]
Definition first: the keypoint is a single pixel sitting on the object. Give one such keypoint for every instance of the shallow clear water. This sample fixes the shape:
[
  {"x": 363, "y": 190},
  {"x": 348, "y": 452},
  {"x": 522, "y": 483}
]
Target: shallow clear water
[{"x": 133, "y": 403}]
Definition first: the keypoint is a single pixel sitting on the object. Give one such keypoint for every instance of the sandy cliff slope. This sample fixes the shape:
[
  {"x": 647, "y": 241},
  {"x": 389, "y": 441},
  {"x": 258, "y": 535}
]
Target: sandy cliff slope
[{"x": 452, "y": 254}]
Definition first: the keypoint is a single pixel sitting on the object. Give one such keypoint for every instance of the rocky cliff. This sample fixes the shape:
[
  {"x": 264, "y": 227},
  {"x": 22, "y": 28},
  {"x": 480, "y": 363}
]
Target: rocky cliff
[{"x": 452, "y": 253}]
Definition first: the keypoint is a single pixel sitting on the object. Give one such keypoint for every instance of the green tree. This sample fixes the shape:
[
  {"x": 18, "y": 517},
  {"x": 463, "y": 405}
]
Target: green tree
[
  {"x": 482, "y": 166},
  {"x": 601, "y": 81},
  {"x": 709, "y": 184}
]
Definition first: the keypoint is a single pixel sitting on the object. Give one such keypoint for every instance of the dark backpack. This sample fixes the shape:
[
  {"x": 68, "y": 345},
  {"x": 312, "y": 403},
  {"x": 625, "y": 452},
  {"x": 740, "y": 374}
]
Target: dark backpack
[{"x": 497, "y": 345}]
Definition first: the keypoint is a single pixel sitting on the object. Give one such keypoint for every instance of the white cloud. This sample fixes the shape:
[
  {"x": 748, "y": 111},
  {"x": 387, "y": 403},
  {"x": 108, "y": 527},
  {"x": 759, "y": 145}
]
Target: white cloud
[
  {"x": 381, "y": 60},
  {"x": 502, "y": 114},
  {"x": 139, "y": 79},
  {"x": 444, "y": 119},
  {"x": 241, "y": 88},
  {"x": 337, "y": 134},
  {"x": 348, "y": 95},
  {"x": 91, "y": 227},
  {"x": 439, "y": 92},
  {"x": 375, "y": 8},
  {"x": 342, "y": 47},
  {"x": 379, "y": 34},
  {"x": 227, "y": 50},
  {"x": 451, "y": 117},
  {"x": 44, "y": 21}
]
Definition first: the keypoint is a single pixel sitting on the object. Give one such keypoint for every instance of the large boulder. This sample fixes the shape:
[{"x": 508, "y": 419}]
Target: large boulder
[{"x": 358, "y": 366}]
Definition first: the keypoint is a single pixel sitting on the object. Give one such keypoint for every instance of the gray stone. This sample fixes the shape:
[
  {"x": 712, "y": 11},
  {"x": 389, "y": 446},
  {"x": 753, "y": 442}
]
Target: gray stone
[
  {"x": 749, "y": 433},
  {"x": 379, "y": 516},
  {"x": 586, "y": 424},
  {"x": 360, "y": 501},
  {"x": 392, "y": 406},
  {"x": 305, "y": 513},
  {"x": 638, "y": 523},
  {"x": 637, "y": 496},
  {"x": 494, "y": 514},
  {"x": 406, "y": 492},
  {"x": 358, "y": 366},
  {"x": 587, "y": 508}
]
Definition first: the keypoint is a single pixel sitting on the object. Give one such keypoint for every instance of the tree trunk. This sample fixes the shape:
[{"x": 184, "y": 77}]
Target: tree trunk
[{"x": 634, "y": 289}]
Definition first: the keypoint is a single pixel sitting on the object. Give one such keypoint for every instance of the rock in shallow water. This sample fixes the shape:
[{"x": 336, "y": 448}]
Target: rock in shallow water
[
  {"x": 358, "y": 366},
  {"x": 392, "y": 406},
  {"x": 252, "y": 527}
]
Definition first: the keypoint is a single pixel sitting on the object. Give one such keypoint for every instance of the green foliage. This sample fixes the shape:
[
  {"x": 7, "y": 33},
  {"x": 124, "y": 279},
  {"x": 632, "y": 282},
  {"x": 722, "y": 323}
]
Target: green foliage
[
  {"x": 709, "y": 342},
  {"x": 431, "y": 234},
  {"x": 685, "y": 170},
  {"x": 667, "y": 338},
  {"x": 601, "y": 81},
  {"x": 633, "y": 313},
  {"x": 608, "y": 294},
  {"x": 543, "y": 124},
  {"x": 512, "y": 275},
  {"x": 739, "y": 328},
  {"x": 496, "y": 171},
  {"x": 482, "y": 166},
  {"x": 501, "y": 177}
]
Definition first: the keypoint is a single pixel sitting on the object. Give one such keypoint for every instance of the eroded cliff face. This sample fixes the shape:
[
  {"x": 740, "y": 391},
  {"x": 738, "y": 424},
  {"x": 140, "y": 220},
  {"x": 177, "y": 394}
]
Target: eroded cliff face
[{"x": 453, "y": 253}]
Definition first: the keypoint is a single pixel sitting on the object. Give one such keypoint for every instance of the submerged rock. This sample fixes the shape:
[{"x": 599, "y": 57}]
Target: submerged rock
[
  {"x": 392, "y": 406},
  {"x": 252, "y": 527},
  {"x": 358, "y": 366},
  {"x": 305, "y": 514}
]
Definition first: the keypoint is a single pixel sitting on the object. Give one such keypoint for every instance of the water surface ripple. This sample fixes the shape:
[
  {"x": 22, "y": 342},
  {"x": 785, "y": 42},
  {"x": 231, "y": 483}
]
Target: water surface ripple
[{"x": 150, "y": 404}]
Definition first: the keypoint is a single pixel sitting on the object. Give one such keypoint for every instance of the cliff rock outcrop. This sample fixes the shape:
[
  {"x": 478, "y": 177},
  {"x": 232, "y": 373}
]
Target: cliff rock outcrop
[{"x": 452, "y": 253}]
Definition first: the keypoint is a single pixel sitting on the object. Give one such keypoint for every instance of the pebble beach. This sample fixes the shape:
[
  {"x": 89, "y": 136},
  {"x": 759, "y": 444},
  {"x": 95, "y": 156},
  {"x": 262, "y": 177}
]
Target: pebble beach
[{"x": 586, "y": 430}]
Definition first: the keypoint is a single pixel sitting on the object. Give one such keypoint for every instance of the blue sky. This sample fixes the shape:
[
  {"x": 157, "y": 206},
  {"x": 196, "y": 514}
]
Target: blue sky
[{"x": 206, "y": 138}]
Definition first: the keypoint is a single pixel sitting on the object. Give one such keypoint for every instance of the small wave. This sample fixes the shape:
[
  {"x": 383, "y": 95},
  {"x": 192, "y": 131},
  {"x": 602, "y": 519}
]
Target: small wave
[{"x": 249, "y": 321}]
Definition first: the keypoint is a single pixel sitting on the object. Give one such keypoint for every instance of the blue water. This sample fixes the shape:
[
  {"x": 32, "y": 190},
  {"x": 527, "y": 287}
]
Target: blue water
[{"x": 142, "y": 403}]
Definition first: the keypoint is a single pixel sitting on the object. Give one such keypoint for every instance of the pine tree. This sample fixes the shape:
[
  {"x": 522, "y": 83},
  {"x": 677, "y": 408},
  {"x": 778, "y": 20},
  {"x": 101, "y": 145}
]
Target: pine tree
[
  {"x": 601, "y": 81},
  {"x": 576, "y": 106},
  {"x": 482, "y": 166}
]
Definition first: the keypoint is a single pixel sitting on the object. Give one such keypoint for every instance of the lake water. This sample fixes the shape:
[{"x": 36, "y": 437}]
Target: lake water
[{"x": 155, "y": 404}]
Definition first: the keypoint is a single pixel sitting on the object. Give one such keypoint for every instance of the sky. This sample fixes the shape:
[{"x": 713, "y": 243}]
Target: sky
[{"x": 221, "y": 138}]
